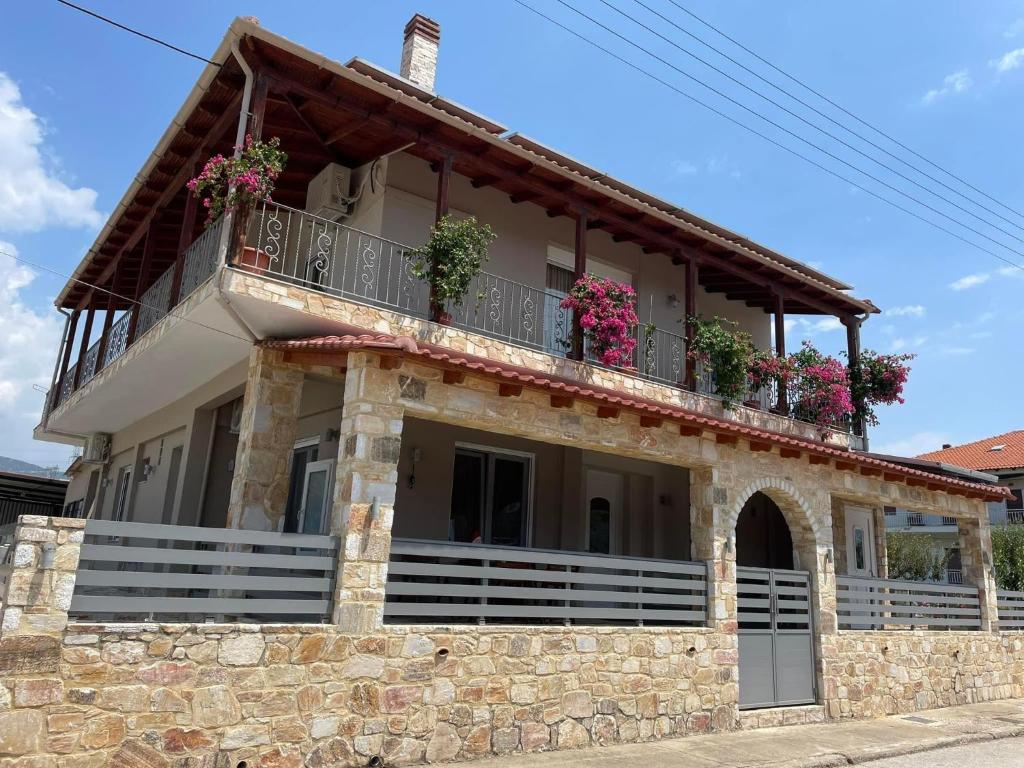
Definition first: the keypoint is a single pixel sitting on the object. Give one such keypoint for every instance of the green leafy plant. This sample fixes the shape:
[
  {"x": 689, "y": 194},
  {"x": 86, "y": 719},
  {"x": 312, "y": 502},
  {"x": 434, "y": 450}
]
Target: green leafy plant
[
  {"x": 1008, "y": 556},
  {"x": 453, "y": 255},
  {"x": 728, "y": 351},
  {"x": 913, "y": 557}
]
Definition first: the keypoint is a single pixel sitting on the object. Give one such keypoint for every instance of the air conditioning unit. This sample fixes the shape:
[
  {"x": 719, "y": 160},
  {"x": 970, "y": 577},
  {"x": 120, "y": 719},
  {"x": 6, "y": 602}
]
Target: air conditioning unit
[
  {"x": 328, "y": 193},
  {"x": 97, "y": 448}
]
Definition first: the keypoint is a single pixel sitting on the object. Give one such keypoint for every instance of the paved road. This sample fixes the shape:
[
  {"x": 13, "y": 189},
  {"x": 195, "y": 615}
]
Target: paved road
[{"x": 1003, "y": 753}]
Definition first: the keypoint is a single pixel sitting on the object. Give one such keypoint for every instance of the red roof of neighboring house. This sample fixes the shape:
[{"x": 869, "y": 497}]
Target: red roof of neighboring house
[
  {"x": 1004, "y": 451},
  {"x": 405, "y": 345}
]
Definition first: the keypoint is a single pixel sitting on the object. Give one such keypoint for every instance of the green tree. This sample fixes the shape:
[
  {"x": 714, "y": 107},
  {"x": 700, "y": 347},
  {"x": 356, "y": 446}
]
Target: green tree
[
  {"x": 914, "y": 557},
  {"x": 1008, "y": 556}
]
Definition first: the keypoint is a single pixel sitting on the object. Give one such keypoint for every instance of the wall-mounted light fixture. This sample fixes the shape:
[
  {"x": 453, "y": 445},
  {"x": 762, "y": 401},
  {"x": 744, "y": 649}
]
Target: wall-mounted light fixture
[
  {"x": 672, "y": 300},
  {"x": 49, "y": 553},
  {"x": 330, "y": 435}
]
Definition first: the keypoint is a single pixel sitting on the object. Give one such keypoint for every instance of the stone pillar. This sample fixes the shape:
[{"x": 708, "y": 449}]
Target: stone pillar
[
  {"x": 364, "y": 493},
  {"x": 976, "y": 560},
  {"x": 37, "y": 595},
  {"x": 270, "y": 412}
]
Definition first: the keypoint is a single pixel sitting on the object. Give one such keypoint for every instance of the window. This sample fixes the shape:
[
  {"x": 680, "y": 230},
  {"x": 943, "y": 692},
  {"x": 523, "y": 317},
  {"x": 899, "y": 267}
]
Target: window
[
  {"x": 491, "y": 493},
  {"x": 74, "y": 508},
  {"x": 891, "y": 511},
  {"x": 599, "y": 539},
  {"x": 858, "y": 549},
  {"x": 1017, "y": 502},
  {"x": 122, "y": 494}
]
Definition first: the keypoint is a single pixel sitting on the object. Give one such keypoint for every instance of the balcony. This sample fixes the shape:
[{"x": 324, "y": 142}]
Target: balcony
[
  {"x": 297, "y": 248},
  {"x": 292, "y": 246}
]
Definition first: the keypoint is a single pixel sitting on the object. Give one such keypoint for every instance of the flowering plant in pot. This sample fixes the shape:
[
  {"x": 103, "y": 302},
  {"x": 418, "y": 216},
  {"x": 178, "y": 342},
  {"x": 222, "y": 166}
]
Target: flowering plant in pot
[
  {"x": 728, "y": 351},
  {"x": 878, "y": 380},
  {"x": 771, "y": 372},
  {"x": 607, "y": 313},
  {"x": 450, "y": 259},
  {"x": 237, "y": 184}
]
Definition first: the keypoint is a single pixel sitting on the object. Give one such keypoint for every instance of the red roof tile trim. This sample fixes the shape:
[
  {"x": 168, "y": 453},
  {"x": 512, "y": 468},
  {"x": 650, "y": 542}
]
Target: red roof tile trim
[
  {"x": 408, "y": 346},
  {"x": 984, "y": 454}
]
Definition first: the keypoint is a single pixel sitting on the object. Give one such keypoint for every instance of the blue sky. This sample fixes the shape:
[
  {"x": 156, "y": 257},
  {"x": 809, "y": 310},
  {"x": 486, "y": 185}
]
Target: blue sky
[{"x": 82, "y": 105}]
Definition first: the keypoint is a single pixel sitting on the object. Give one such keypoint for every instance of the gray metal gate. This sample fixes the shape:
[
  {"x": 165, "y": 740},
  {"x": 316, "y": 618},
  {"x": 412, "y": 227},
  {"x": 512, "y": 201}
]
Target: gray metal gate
[{"x": 776, "y": 640}]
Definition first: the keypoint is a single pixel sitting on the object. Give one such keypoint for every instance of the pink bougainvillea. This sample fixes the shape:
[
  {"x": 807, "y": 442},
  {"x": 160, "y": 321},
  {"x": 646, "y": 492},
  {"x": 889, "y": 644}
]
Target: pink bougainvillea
[
  {"x": 607, "y": 313},
  {"x": 879, "y": 380},
  {"x": 226, "y": 183},
  {"x": 820, "y": 388}
]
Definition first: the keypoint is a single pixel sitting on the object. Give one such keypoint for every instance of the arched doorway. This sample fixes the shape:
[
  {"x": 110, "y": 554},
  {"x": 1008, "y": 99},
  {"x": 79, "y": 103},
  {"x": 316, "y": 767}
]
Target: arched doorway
[{"x": 774, "y": 598}]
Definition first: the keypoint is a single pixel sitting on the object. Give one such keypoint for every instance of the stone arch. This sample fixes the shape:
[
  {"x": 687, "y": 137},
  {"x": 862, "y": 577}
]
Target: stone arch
[{"x": 810, "y": 532}]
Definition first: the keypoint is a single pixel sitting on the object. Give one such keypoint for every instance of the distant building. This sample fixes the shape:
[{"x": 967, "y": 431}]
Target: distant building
[{"x": 23, "y": 494}]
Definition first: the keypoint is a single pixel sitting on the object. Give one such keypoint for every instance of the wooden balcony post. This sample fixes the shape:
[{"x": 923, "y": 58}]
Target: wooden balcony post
[
  {"x": 140, "y": 281},
  {"x": 578, "y": 273},
  {"x": 69, "y": 342},
  {"x": 188, "y": 225},
  {"x": 444, "y": 177},
  {"x": 108, "y": 320},
  {"x": 852, "y": 324},
  {"x": 259, "y": 106},
  {"x": 83, "y": 345},
  {"x": 781, "y": 402},
  {"x": 692, "y": 268}
]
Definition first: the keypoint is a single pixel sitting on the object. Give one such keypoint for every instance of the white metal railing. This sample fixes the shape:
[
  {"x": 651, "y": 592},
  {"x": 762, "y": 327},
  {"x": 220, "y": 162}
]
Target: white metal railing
[
  {"x": 139, "y": 570},
  {"x": 442, "y": 582},
  {"x": 863, "y": 603},
  {"x": 954, "y": 576}
]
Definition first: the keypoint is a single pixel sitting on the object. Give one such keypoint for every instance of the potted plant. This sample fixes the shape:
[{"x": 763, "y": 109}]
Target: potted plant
[
  {"x": 450, "y": 259},
  {"x": 236, "y": 185},
  {"x": 727, "y": 351},
  {"x": 607, "y": 315}
]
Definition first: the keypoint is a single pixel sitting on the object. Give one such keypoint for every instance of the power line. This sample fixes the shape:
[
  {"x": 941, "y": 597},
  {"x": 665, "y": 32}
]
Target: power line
[
  {"x": 841, "y": 108},
  {"x": 818, "y": 112},
  {"x": 129, "y": 299},
  {"x": 761, "y": 135},
  {"x": 143, "y": 35},
  {"x": 786, "y": 130}
]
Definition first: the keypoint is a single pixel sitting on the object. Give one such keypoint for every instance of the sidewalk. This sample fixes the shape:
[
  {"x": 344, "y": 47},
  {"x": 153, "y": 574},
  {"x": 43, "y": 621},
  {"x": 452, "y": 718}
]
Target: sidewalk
[{"x": 795, "y": 746}]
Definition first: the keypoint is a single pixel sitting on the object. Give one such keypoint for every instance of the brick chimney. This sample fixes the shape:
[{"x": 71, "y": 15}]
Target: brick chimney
[{"x": 419, "y": 51}]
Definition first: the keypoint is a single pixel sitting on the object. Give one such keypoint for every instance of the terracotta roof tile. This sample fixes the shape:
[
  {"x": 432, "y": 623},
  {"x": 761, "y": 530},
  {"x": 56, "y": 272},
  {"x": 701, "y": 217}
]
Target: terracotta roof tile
[
  {"x": 409, "y": 346},
  {"x": 1004, "y": 451}
]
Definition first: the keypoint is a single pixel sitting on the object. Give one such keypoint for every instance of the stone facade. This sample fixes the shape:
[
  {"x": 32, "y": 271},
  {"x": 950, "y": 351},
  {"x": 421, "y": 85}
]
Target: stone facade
[{"x": 213, "y": 695}]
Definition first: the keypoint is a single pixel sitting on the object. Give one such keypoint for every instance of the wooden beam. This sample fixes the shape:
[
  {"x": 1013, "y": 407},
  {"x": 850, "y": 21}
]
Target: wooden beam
[
  {"x": 484, "y": 181},
  {"x": 759, "y": 446},
  {"x": 916, "y": 482},
  {"x": 892, "y": 477},
  {"x": 726, "y": 439},
  {"x": 651, "y": 422},
  {"x": 83, "y": 345},
  {"x": 579, "y": 271},
  {"x": 689, "y": 430},
  {"x": 871, "y": 471},
  {"x": 692, "y": 267},
  {"x": 817, "y": 459},
  {"x": 608, "y": 412},
  {"x": 140, "y": 283},
  {"x": 337, "y": 360},
  {"x": 781, "y": 397},
  {"x": 444, "y": 178},
  {"x": 390, "y": 362},
  {"x": 108, "y": 321},
  {"x": 845, "y": 466},
  {"x": 562, "y": 401},
  {"x": 508, "y": 389},
  {"x": 790, "y": 453},
  {"x": 69, "y": 342},
  {"x": 452, "y": 376},
  {"x": 258, "y": 109}
]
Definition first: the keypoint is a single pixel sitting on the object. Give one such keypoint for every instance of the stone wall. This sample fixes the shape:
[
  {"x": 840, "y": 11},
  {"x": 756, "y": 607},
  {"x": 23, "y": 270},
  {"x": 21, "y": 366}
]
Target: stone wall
[
  {"x": 191, "y": 696},
  {"x": 871, "y": 674}
]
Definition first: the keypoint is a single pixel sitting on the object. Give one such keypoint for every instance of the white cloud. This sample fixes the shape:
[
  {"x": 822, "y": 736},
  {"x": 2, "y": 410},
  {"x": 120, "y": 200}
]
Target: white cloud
[
  {"x": 958, "y": 82},
  {"x": 970, "y": 281},
  {"x": 1009, "y": 61},
  {"x": 683, "y": 167},
  {"x": 28, "y": 344},
  {"x": 1010, "y": 271},
  {"x": 913, "y": 445},
  {"x": 1014, "y": 29},
  {"x": 32, "y": 196},
  {"x": 805, "y": 327},
  {"x": 910, "y": 310},
  {"x": 914, "y": 344},
  {"x": 956, "y": 351}
]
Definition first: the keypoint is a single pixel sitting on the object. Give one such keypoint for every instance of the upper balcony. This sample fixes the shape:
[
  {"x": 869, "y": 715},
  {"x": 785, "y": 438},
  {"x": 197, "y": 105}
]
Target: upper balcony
[{"x": 406, "y": 156}]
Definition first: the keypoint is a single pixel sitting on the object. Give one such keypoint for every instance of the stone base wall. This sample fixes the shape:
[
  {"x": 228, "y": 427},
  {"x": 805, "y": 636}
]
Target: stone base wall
[
  {"x": 197, "y": 696},
  {"x": 871, "y": 674}
]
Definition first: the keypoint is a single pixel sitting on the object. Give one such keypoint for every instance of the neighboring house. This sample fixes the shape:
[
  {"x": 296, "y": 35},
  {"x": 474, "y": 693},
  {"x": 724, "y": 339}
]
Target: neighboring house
[
  {"x": 473, "y": 473},
  {"x": 998, "y": 460},
  {"x": 24, "y": 494}
]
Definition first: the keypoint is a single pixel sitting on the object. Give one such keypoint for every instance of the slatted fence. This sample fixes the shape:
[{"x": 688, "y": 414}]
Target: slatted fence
[
  {"x": 440, "y": 582},
  {"x": 142, "y": 570},
  {"x": 864, "y": 603},
  {"x": 1010, "y": 605}
]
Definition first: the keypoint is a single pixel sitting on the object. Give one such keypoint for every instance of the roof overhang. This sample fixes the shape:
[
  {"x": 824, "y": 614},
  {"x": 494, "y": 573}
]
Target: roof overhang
[
  {"x": 334, "y": 112},
  {"x": 324, "y": 348}
]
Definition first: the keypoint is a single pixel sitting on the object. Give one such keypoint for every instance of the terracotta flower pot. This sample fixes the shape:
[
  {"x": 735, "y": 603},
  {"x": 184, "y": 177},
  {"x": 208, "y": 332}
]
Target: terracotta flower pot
[
  {"x": 252, "y": 260},
  {"x": 444, "y": 318}
]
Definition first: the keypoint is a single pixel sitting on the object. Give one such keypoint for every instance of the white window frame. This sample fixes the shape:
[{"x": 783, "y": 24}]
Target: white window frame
[
  {"x": 122, "y": 494},
  {"x": 561, "y": 257}
]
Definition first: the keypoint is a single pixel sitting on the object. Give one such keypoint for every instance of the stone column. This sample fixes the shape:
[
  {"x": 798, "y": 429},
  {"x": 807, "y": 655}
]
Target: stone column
[
  {"x": 37, "y": 596},
  {"x": 712, "y": 541},
  {"x": 364, "y": 492},
  {"x": 976, "y": 560},
  {"x": 270, "y": 412}
]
